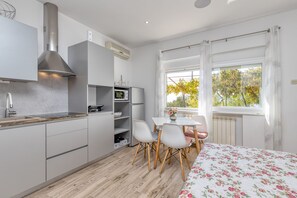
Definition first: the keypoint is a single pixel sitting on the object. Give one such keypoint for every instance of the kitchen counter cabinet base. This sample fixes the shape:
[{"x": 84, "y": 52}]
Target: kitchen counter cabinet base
[{"x": 22, "y": 152}]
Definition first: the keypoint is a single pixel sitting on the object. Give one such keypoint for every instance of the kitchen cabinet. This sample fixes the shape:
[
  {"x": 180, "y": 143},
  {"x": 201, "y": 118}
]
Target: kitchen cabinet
[
  {"x": 93, "y": 63},
  {"x": 66, "y": 136},
  {"x": 101, "y": 135},
  {"x": 100, "y": 66},
  {"x": 22, "y": 153},
  {"x": 61, "y": 164},
  {"x": 18, "y": 51},
  {"x": 67, "y": 143},
  {"x": 93, "y": 85}
]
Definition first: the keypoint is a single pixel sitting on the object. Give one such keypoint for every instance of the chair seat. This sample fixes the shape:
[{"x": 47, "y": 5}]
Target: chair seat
[
  {"x": 201, "y": 135},
  {"x": 189, "y": 140}
]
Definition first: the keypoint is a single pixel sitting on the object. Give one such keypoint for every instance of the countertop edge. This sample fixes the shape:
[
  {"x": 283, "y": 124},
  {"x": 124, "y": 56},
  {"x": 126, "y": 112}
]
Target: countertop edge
[{"x": 43, "y": 122}]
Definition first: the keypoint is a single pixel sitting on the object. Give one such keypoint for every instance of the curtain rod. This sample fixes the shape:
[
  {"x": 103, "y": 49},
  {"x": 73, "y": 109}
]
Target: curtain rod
[{"x": 218, "y": 40}]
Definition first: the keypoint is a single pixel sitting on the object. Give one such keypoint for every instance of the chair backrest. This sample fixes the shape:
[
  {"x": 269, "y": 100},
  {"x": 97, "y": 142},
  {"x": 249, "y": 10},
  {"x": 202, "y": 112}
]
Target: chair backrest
[
  {"x": 142, "y": 132},
  {"x": 200, "y": 119},
  {"x": 173, "y": 136}
]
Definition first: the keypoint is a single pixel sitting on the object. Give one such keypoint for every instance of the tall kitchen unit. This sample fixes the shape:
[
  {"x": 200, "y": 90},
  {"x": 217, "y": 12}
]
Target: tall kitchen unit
[{"x": 137, "y": 108}]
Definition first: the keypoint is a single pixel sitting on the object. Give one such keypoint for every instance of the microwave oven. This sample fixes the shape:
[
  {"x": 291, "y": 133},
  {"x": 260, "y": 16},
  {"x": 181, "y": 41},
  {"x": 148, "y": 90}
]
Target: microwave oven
[{"x": 120, "y": 94}]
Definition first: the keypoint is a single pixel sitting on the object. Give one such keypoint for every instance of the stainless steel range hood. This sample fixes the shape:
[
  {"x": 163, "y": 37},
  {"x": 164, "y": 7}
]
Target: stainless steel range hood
[{"x": 50, "y": 61}]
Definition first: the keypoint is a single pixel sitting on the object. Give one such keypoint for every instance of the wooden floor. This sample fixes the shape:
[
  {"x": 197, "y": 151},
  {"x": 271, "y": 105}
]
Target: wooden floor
[{"x": 114, "y": 176}]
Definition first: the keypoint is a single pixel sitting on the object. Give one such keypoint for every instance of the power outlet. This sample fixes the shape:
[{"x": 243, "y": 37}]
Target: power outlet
[
  {"x": 90, "y": 36},
  {"x": 294, "y": 82}
]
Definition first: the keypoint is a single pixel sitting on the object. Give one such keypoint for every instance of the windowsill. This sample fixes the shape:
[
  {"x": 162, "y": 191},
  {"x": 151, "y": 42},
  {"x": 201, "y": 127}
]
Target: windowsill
[
  {"x": 225, "y": 111},
  {"x": 238, "y": 110},
  {"x": 237, "y": 113}
]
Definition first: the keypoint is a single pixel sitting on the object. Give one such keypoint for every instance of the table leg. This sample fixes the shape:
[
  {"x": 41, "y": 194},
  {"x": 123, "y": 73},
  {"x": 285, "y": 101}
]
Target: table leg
[
  {"x": 184, "y": 129},
  {"x": 157, "y": 149},
  {"x": 197, "y": 140}
]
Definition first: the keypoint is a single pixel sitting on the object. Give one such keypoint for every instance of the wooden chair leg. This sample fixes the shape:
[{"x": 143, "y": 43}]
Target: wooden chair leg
[
  {"x": 159, "y": 158},
  {"x": 170, "y": 155},
  {"x": 136, "y": 152},
  {"x": 201, "y": 144},
  {"x": 144, "y": 154},
  {"x": 187, "y": 160},
  {"x": 149, "y": 157},
  {"x": 181, "y": 165},
  {"x": 164, "y": 160},
  {"x": 157, "y": 149},
  {"x": 184, "y": 129}
]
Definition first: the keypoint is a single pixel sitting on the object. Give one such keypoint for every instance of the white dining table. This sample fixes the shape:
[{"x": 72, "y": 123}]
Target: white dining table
[{"x": 180, "y": 121}]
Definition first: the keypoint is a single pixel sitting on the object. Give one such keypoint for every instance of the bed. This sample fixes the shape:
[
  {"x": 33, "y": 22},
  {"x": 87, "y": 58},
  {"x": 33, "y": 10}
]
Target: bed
[{"x": 230, "y": 171}]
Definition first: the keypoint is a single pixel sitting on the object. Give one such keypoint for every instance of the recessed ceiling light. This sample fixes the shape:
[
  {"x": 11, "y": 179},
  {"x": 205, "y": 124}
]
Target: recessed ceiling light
[
  {"x": 147, "y": 22},
  {"x": 202, "y": 3}
]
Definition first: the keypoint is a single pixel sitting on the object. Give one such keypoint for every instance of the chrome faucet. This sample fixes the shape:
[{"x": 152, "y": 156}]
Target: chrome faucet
[{"x": 9, "y": 106}]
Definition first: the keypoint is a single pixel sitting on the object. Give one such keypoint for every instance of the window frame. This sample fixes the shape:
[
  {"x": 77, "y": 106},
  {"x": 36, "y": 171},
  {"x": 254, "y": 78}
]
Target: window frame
[
  {"x": 184, "y": 69},
  {"x": 235, "y": 110},
  {"x": 222, "y": 109}
]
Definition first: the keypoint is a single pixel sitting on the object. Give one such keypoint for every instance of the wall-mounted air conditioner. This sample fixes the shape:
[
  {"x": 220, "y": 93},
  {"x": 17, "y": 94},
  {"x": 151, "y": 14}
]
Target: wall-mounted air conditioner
[{"x": 118, "y": 50}]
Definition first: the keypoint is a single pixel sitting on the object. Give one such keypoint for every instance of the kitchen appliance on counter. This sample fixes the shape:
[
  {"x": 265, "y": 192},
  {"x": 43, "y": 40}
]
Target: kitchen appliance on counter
[
  {"x": 95, "y": 108},
  {"x": 121, "y": 95},
  {"x": 137, "y": 108}
]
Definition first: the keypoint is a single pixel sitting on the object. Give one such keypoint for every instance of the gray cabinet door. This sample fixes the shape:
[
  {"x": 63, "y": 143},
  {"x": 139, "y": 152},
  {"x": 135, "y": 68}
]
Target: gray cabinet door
[
  {"x": 63, "y": 163},
  {"x": 22, "y": 154},
  {"x": 100, "y": 66},
  {"x": 101, "y": 135},
  {"x": 18, "y": 51}
]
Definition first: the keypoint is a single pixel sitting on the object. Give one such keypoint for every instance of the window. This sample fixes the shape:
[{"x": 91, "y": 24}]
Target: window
[
  {"x": 237, "y": 86},
  {"x": 233, "y": 85},
  {"x": 182, "y": 89}
]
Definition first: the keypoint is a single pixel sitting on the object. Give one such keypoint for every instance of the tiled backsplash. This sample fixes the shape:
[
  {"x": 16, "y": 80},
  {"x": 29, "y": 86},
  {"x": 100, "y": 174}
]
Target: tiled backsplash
[{"x": 48, "y": 95}]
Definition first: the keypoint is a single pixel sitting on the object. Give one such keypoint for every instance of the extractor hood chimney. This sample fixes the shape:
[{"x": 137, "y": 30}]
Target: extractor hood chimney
[{"x": 50, "y": 61}]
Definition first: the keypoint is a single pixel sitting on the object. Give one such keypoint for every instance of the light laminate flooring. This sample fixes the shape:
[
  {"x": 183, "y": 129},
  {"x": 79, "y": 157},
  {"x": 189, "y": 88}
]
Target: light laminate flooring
[{"x": 116, "y": 177}]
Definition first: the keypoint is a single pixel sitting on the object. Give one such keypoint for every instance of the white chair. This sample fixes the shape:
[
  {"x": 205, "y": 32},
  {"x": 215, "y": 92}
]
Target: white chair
[
  {"x": 147, "y": 139},
  {"x": 201, "y": 129},
  {"x": 173, "y": 137}
]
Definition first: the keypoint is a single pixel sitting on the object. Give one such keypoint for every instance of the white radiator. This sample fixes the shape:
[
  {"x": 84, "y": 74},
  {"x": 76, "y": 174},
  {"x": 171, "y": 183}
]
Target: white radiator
[{"x": 224, "y": 129}]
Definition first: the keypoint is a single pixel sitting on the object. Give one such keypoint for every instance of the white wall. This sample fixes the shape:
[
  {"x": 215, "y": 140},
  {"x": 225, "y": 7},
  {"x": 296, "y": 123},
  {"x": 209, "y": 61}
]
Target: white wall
[
  {"x": 71, "y": 32},
  {"x": 144, "y": 64}
]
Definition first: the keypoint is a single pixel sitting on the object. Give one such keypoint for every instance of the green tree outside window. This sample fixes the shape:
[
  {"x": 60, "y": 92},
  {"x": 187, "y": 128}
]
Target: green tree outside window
[{"x": 236, "y": 86}]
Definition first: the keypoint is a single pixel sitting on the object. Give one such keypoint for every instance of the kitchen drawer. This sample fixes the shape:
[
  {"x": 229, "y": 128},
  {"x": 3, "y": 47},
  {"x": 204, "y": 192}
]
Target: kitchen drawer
[
  {"x": 65, "y": 142},
  {"x": 66, "y": 126},
  {"x": 62, "y": 164}
]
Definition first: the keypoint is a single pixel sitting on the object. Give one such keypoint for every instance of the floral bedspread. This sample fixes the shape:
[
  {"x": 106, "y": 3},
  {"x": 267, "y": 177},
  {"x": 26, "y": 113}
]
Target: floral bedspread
[{"x": 229, "y": 171}]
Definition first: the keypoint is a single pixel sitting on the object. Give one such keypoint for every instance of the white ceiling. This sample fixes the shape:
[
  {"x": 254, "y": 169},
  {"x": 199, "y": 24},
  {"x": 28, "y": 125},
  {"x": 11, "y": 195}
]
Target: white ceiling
[{"x": 124, "y": 20}]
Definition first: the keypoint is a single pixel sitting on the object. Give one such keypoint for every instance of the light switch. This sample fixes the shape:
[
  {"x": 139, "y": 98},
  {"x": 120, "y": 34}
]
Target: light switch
[{"x": 90, "y": 36}]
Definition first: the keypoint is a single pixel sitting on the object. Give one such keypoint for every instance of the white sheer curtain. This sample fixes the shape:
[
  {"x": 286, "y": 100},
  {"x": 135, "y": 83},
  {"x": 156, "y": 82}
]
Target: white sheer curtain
[
  {"x": 272, "y": 91},
  {"x": 160, "y": 87},
  {"x": 205, "y": 88}
]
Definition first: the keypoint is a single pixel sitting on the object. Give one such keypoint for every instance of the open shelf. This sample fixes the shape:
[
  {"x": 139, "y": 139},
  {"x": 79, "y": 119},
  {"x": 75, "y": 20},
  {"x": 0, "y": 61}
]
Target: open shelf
[
  {"x": 121, "y": 101},
  {"x": 122, "y": 146},
  {"x": 121, "y": 118},
  {"x": 101, "y": 95},
  {"x": 120, "y": 130},
  {"x": 122, "y": 125}
]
